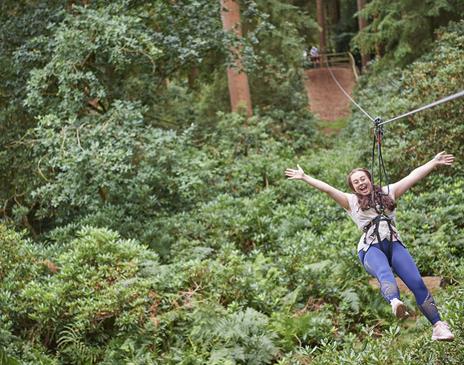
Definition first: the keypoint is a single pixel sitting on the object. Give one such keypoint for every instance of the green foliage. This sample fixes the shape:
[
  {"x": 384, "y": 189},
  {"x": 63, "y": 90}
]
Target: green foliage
[
  {"x": 404, "y": 30},
  {"x": 86, "y": 129},
  {"x": 111, "y": 172},
  {"x": 7, "y": 360},
  {"x": 238, "y": 265},
  {"x": 346, "y": 27},
  {"x": 90, "y": 291},
  {"x": 109, "y": 51},
  {"x": 398, "y": 345},
  {"x": 113, "y": 161},
  {"x": 67, "y": 81},
  {"x": 429, "y": 230},
  {"x": 278, "y": 48},
  {"x": 243, "y": 340},
  {"x": 301, "y": 329},
  {"x": 432, "y": 78}
]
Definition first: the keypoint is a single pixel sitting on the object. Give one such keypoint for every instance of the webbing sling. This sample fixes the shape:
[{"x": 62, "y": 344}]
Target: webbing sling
[{"x": 378, "y": 203}]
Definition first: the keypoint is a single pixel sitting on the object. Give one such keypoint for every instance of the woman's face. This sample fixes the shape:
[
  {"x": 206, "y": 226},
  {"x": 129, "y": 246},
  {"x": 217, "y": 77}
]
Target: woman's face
[{"x": 361, "y": 183}]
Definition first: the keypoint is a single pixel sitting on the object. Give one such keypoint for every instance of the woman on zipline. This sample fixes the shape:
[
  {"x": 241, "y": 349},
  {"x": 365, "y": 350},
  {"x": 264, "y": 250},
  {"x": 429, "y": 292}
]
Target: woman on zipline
[{"x": 380, "y": 248}]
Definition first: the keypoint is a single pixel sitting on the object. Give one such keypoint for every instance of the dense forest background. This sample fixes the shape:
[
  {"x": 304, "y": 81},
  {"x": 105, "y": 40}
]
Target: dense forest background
[{"x": 143, "y": 222}]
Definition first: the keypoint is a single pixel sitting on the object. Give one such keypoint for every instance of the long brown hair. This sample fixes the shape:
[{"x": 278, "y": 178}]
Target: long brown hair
[{"x": 370, "y": 201}]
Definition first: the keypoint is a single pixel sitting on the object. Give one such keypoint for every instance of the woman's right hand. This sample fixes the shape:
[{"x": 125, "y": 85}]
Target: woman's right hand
[
  {"x": 340, "y": 197},
  {"x": 297, "y": 174},
  {"x": 443, "y": 159}
]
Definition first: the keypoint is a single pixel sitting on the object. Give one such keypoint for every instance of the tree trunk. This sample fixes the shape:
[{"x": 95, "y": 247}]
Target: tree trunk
[
  {"x": 322, "y": 24},
  {"x": 378, "y": 45},
  {"x": 192, "y": 77},
  {"x": 362, "y": 23},
  {"x": 239, "y": 89}
]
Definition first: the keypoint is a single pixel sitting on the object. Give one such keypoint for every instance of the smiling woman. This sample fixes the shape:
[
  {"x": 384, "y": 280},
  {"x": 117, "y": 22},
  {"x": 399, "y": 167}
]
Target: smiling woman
[
  {"x": 360, "y": 182},
  {"x": 380, "y": 249}
]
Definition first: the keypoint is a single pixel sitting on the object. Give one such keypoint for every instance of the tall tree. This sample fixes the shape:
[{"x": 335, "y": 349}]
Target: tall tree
[
  {"x": 362, "y": 22},
  {"x": 321, "y": 21},
  {"x": 239, "y": 89}
]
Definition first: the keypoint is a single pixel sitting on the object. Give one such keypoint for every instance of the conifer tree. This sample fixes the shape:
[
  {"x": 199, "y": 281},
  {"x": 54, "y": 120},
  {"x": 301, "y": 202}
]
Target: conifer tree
[{"x": 403, "y": 29}]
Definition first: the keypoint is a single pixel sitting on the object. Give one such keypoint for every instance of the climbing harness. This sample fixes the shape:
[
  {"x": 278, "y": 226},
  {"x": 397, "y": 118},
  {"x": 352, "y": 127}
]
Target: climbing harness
[{"x": 376, "y": 223}]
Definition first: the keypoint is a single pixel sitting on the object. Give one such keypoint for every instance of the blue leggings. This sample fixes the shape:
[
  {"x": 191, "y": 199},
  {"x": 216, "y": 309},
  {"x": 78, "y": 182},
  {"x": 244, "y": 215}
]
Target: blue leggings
[{"x": 375, "y": 261}]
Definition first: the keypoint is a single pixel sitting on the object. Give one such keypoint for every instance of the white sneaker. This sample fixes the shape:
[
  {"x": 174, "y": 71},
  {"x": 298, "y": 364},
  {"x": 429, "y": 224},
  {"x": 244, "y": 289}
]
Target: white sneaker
[
  {"x": 399, "y": 309},
  {"x": 441, "y": 332}
]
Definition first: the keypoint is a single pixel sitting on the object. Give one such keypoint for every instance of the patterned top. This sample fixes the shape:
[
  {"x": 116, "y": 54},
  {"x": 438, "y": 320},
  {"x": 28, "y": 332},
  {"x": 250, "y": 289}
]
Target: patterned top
[{"x": 364, "y": 217}]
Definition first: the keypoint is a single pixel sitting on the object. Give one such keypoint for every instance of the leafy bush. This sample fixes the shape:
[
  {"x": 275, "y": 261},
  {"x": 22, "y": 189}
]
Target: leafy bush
[
  {"x": 91, "y": 291},
  {"x": 238, "y": 265}
]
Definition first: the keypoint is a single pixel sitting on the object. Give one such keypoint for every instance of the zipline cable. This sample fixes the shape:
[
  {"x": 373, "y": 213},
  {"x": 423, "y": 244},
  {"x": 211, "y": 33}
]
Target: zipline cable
[
  {"x": 346, "y": 94},
  {"x": 431, "y": 105},
  {"x": 378, "y": 135},
  {"x": 425, "y": 107}
]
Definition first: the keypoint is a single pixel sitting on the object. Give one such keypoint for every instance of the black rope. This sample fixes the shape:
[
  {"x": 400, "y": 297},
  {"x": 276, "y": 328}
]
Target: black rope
[
  {"x": 377, "y": 147},
  {"x": 378, "y": 135},
  {"x": 373, "y": 168},
  {"x": 377, "y": 197}
]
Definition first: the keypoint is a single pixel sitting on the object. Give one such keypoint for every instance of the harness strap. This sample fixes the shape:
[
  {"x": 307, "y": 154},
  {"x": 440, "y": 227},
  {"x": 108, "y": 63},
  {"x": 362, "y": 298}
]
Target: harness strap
[
  {"x": 390, "y": 246},
  {"x": 376, "y": 222}
]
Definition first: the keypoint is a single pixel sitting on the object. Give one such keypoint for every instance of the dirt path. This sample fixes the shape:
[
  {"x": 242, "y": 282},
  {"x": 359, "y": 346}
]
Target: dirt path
[{"x": 326, "y": 100}]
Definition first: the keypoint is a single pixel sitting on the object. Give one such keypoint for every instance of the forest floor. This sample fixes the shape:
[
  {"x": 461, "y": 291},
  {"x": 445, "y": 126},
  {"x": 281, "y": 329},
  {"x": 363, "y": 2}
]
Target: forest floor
[{"x": 326, "y": 101}]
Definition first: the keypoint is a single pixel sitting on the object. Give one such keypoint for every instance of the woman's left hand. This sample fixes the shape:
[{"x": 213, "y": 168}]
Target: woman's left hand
[{"x": 443, "y": 159}]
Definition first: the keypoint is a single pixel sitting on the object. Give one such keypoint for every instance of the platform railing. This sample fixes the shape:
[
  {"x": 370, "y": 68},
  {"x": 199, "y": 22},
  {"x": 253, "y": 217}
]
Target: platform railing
[{"x": 340, "y": 59}]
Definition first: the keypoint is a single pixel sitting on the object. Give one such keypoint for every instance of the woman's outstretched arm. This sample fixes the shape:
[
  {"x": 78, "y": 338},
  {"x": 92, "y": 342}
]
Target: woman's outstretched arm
[
  {"x": 441, "y": 159},
  {"x": 337, "y": 195}
]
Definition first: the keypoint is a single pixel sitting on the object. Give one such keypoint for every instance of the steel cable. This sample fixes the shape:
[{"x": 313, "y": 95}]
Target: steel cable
[
  {"x": 346, "y": 94},
  {"x": 431, "y": 105}
]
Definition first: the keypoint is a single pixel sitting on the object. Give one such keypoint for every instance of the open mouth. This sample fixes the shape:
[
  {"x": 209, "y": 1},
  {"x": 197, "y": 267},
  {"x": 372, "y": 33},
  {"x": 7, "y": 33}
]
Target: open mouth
[{"x": 363, "y": 189}]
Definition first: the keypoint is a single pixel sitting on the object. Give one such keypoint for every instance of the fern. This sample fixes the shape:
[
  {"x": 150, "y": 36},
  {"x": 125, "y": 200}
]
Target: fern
[
  {"x": 5, "y": 359},
  {"x": 244, "y": 338},
  {"x": 350, "y": 296},
  {"x": 71, "y": 344}
]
